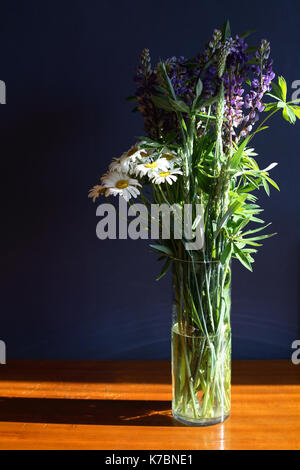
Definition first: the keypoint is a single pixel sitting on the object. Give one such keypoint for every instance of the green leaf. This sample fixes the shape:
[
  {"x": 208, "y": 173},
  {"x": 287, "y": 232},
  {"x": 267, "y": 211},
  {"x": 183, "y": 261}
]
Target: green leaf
[
  {"x": 131, "y": 98},
  {"x": 171, "y": 136},
  {"x": 163, "y": 249},
  {"x": 249, "y": 232},
  {"x": 226, "y": 31},
  {"x": 243, "y": 242},
  {"x": 199, "y": 88},
  {"x": 235, "y": 161},
  {"x": 272, "y": 182},
  {"x": 179, "y": 105},
  {"x": 165, "y": 269},
  {"x": 270, "y": 107},
  {"x": 246, "y": 34},
  {"x": 231, "y": 210},
  {"x": 166, "y": 76},
  {"x": 160, "y": 89},
  {"x": 209, "y": 102},
  {"x": 260, "y": 237},
  {"x": 162, "y": 102},
  {"x": 242, "y": 257},
  {"x": 281, "y": 104},
  {"x": 270, "y": 167},
  {"x": 283, "y": 87},
  {"x": 205, "y": 116},
  {"x": 289, "y": 114},
  {"x": 296, "y": 110},
  {"x": 227, "y": 252},
  {"x": 204, "y": 181},
  {"x": 266, "y": 186},
  {"x": 196, "y": 221},
  {"x": 257, "y": 220},
  {"x": 277, "y": 92}
]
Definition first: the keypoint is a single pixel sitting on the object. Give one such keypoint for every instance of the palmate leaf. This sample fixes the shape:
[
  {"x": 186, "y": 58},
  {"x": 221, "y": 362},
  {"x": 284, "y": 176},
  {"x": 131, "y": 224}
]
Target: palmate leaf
[
  {"x": 289, "y": 114},
  {"x": 278, "y": 93},
  {"x": 283, "y": 87},
  {"x": 270, "y": 107},
  {"x": 296, "y": 110}
]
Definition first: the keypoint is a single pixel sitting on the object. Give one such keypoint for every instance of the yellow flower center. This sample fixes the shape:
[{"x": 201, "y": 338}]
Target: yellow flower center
[
  {"x": 121, "y": 184},
  {"x": 132, "y": 151},
  {"x": 168, "y": 156},
  {"x": 163, "y": 174},
  {"x": 151, "y": 165}
]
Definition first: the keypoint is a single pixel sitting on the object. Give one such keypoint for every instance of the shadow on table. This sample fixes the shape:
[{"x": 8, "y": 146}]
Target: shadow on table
[
  {"x": 96, "y": 412},
  {"x": 158, "y": 372},
  {"x": 276, "y": 372}
]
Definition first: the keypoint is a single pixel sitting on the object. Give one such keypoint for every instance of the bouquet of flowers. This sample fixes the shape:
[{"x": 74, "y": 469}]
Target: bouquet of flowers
[{"x": 200, "y": 116}]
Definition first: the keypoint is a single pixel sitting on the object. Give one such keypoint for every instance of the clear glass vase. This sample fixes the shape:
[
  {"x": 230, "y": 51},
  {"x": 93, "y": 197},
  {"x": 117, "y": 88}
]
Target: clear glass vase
[{"x": 201, "y": 342}]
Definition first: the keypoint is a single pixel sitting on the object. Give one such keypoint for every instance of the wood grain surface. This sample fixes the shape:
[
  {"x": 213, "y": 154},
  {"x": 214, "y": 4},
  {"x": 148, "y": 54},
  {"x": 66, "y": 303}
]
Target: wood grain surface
[{"x": 126, "y": 405}]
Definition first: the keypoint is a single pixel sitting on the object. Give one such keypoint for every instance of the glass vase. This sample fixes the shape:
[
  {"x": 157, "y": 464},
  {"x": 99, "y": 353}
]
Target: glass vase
[{"x": 201, "y": 342}]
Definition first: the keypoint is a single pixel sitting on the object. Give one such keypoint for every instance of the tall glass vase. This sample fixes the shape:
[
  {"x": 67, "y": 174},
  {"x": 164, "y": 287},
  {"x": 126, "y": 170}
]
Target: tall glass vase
[{"x": 201, "y": 342}]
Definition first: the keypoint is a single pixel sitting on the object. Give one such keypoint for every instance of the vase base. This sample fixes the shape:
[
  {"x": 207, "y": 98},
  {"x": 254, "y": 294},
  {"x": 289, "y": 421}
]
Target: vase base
[{"x": 200, "y": 421}]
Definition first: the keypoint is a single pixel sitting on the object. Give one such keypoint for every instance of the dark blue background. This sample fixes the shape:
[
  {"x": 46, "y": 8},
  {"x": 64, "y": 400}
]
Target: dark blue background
[{"x": 68, "y": 66}]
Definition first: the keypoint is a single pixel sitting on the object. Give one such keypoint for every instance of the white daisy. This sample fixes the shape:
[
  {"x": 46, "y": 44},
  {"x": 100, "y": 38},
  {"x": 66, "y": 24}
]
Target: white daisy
[
  {"x": 171, "y": 157},
  {"x": 151, "y": 167},
  {"x": 96, "y": 191},
  {"x": 125, "y": 163},
  {"x": 168, "y": 176},
  {"x": 137, "y": 152},
  {"x": 133, "y": 152},
  {"x": 119, "y": 183},
  {"x": 121, "y": 164}
]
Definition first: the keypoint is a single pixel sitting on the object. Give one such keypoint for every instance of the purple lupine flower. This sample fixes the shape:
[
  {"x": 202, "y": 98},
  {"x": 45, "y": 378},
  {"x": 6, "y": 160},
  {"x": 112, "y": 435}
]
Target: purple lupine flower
[
  {"x": 244, "y": 83},
  {"x": 261, "y": 83},
  {"x": 156, "y": 121}
]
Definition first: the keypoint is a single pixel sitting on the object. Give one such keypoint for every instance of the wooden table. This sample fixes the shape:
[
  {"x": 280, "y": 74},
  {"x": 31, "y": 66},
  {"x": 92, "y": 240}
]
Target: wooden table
[{"x": 126, "y": 405}]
